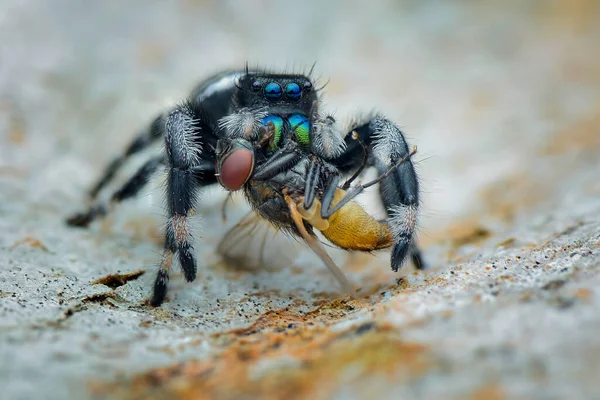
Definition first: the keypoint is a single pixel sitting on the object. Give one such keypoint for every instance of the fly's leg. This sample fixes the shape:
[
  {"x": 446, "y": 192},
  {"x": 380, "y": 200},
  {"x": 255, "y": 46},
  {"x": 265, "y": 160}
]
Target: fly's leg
[{"x": 316, "y": 246}]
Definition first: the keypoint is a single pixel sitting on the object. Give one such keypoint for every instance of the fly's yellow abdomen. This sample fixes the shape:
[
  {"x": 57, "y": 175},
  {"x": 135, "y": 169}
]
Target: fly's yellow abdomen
[{"x": 351, "y": 227}]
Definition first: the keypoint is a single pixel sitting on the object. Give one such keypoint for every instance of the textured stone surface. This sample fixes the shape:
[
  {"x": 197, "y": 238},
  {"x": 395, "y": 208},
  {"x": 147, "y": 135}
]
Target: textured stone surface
[{"x": 504, "y": 106}]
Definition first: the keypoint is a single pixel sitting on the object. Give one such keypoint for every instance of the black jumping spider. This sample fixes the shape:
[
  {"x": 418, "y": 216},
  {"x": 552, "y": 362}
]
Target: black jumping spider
[{"x": 263, "y": 133}]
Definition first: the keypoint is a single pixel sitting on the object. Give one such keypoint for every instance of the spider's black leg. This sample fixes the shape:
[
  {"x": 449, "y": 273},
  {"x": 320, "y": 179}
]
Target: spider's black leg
[
  {"x": 144, "y": 139},
  {"x": 327, "y": 211},
  {"x": 363, "y": 165},
  {"x": 128, "y": 190},
  {"x": 283, "y": 159},
  {"x": 185, "y": 163},
  {"x": 399, "y": 188},
  {"x": 310, "y": 189}
]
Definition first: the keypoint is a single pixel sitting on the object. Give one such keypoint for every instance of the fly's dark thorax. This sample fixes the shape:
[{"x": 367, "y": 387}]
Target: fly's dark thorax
[
  {"x": 268, "y": 203},
  {"x": 267, "y": 198}
]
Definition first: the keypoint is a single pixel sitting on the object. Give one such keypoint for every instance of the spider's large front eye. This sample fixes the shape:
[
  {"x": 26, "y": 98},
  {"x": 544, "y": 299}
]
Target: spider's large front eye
[
  {"x": 273, "y": 91},
  {"x": 293, "y": 91}
]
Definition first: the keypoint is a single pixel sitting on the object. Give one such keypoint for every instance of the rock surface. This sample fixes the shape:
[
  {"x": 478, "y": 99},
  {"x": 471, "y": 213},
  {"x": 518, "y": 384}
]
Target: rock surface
[{"x": 504, "y": 106}]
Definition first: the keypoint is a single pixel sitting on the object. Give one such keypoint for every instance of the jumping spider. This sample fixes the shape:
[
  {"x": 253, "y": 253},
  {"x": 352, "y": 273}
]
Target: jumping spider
[{"x": 263, "y": 133}]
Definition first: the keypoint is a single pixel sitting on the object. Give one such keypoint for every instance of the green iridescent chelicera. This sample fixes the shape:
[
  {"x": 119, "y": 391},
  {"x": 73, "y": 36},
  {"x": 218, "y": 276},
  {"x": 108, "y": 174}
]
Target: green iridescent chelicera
[
  {"x": 278, "y": 123},
  {"x": 300, "y": 125},
  {"x": 297, "y": 124}
]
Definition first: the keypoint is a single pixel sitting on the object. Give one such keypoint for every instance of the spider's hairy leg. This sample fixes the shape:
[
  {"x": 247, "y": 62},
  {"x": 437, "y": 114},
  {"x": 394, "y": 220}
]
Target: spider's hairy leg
[
  {"x": 332, "y": 189},
  {"x": 327, "y": 140},
  {"x": 144, "y": 139},
  {"x": 283, "y": 159},
  {"x": 399, "y": 187},
  {"x": 184, "y": 163},
  {"x": 130, "y": 189}
]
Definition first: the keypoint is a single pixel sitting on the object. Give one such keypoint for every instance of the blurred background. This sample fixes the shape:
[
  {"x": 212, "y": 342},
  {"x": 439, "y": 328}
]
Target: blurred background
[
  {"x": 477, "y": 87},
  {"x": 502, "y": 99}
]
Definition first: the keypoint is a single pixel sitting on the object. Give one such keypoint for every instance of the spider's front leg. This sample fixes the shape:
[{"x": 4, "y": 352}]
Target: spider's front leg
[
  {"x": 399, "y": 185},
  {"x": 188, "y": 170}
]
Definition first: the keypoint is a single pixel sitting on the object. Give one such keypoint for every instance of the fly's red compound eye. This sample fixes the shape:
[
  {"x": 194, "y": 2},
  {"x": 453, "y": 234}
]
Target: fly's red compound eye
[{"x": 236, "y": 168}]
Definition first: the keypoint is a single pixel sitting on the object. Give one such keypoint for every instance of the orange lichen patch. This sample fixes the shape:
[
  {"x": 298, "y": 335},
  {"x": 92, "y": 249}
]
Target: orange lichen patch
[
  {"x": 468, "y": 231},
  {"x": 516, "y": 192},
  {"x": 583, "y": 294},
  {"x": 465, "y": 234},
  {"x": 17, "y": 132},
  {"x": 488, "y": 392},
  {"x": 145, "y": 230},
  {"x": 335, "y": 309},
  {"x": 13, "y": 172},
  {"x": 297, "y": 270},
  {"x": 375, "y": 273},
  {"x": 102, "y": 298},
  {"x": 438, "y": 281},
  {"x": 299, "y": 363},
  {"x": 274, "y": 320},
  {"x": 373, "y": 288},
  {"x": 298, "y": 303},
  {"x": 508, "y": 278},
  {"x": 151, "y": 53},
  {"x": 507, "y": 242},
  {"x": 115, "y": 280},
  {"x": 583, "y": 136},
  {"x": 271, "y": 319},
  {"x": 265, "y": 294},
  {"x": 356, "y": 261},
  {"x": 231, "y": 272},
  {"x": 457, "y": 235},
  {"x": 323, "y": 297},
  {"x": 29, "y": 241}
]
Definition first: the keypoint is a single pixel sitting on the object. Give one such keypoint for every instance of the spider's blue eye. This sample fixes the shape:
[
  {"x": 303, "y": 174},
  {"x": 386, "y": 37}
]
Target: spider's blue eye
[
  {"x": 272, "y": 91},
  {"x": 293, "y": 91}
]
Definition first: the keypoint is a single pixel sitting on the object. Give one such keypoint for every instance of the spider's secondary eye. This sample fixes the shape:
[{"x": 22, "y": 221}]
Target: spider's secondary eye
[
  {"x": 273, "y": 91},
  {"x": 307, "y": 86},
  {"x": 256, "y": 86},
  {"x": 293, "y": 91}
]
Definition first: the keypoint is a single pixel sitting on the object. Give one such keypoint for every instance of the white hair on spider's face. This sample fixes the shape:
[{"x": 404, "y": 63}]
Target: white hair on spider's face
[{"x": 245, "y": 123}]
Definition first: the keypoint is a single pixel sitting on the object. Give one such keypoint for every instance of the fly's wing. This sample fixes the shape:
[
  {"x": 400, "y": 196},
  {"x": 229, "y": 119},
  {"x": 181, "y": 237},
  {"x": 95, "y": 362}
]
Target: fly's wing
[{"x": 254, "y": 243}]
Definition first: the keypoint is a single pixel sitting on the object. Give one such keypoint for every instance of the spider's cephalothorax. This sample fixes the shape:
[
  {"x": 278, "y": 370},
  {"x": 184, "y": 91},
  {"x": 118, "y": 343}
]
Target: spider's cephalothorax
[{"x": 263, "y": 133}]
